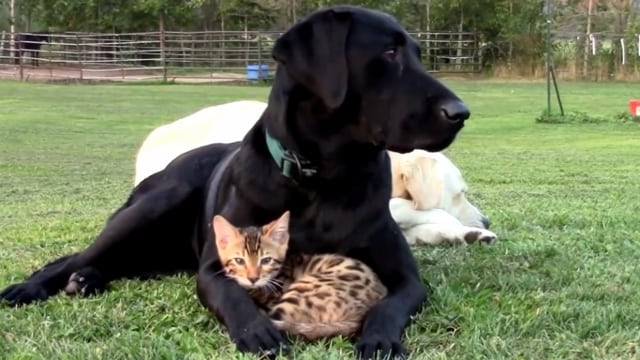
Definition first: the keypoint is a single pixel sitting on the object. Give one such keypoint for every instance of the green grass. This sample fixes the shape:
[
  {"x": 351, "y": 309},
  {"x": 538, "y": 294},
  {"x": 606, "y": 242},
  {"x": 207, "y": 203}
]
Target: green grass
[{"x": 564, "y": 199}]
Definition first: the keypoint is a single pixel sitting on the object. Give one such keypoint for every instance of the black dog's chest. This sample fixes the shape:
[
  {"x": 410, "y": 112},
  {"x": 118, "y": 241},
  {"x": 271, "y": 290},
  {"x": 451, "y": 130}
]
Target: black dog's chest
[
  {"x": 305, "y": 239},
  {"x": 331, "y": 231},
  {"x": 328, "y": 221}
]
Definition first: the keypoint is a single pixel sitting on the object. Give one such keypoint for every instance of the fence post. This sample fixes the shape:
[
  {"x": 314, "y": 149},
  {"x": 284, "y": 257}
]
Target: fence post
[
  {"x": 80, "y": 55},
  {"x": 2, "y": 46},
  {"x": 49, "y": 56},
  {"x": 477, "y": 57},
  {"x": 118, "y": 56},
  {"x": 20, "y": 62},
  {"x": 163, "y": 59},
  {"x": 260, "y": 56}
]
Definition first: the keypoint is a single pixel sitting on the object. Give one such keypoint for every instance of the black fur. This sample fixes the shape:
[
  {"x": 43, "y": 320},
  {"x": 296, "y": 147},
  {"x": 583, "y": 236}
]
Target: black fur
[
  {"x": 29, "y": 42},
  {"x": 339, "y": 99}
]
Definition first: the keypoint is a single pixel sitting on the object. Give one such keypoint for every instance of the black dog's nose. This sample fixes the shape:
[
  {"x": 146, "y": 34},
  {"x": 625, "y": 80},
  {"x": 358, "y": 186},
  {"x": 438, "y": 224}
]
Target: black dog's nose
[
  {"x": 455, "y": 110},
  {"x": 485, "y": 222}
]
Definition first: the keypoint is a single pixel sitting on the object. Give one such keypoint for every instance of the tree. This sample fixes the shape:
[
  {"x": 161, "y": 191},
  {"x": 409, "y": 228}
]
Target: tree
[
  {"x": 247, "y": 14},
  {"x": 12, "y": 21},
  {"x": 511, "y": 30},
  {"x": 115, "y": 15}
]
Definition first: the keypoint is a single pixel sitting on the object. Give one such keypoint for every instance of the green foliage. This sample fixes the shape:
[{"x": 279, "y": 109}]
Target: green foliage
[
  {"x": 627, "y": 117},
  {"x": 251, "y": 14},
  {"x": 489, "y": 17},
  {"x": 581, "y": 117},
  {"x": 109, "y": 15},
  {"x": 509, "y": 32}
]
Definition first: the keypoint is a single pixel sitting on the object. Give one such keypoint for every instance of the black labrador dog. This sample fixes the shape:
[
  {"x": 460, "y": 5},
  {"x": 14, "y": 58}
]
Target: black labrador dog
[{"x": 349, "y": 84}]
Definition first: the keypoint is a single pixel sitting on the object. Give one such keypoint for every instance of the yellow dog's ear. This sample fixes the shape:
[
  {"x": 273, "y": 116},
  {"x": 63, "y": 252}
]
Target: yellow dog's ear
[{"x": 422, "y": 182}]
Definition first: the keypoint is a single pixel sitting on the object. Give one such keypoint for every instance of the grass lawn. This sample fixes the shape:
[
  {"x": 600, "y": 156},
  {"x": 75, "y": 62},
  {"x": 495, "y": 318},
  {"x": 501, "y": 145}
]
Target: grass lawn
[{"x": 565, "y": 199}]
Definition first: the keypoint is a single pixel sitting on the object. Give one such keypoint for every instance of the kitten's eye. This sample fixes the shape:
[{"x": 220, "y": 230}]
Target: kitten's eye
[
  {"x": 239, "y": 261},
  {"x": 391, "y": 54},
  {"x": 265, "y": 261}
]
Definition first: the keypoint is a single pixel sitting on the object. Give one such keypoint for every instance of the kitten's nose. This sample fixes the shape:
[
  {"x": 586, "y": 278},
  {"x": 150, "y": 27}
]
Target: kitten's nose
[{"x": 253, "y": 279}]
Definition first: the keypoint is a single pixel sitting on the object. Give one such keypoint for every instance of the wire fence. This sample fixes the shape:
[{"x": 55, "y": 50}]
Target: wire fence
[
  {"x": 206, "y": 56},
  {"x": 597, "y": 56}
]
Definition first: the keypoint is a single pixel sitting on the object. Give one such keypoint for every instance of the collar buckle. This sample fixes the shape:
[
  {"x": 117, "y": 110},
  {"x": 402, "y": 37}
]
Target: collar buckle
[{"x": 290, "y": 164}]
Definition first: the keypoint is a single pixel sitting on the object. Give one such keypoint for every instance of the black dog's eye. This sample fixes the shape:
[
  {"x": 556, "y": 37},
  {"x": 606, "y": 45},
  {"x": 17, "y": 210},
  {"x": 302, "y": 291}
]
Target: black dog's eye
[{"x": 391, "y": 54}]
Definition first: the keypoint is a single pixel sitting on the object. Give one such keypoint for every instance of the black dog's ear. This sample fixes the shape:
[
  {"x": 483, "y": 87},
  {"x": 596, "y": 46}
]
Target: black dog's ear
[{"x": 314, "y": 55}]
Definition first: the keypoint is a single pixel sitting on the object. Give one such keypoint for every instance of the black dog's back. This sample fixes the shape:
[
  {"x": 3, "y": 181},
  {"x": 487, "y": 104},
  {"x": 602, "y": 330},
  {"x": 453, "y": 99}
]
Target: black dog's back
[{"x": 193, "y": 167}]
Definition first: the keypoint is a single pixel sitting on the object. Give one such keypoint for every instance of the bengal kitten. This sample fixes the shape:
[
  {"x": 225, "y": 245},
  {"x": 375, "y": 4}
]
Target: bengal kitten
[{"x": 311, "y": 296}]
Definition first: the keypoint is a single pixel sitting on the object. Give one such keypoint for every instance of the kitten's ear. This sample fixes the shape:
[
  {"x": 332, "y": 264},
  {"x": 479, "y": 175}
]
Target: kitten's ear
[
  {"x": 224, "y": 232},
  {"x": 278, "y": 230}
]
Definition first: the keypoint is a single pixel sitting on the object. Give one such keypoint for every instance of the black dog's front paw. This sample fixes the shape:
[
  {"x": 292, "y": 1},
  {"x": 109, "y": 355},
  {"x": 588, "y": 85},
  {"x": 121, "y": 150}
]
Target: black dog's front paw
[
  {"x": 23, "y": 293},
  {"x": 261, "y": 337},
  {"x": 85, "y": 282},
  {"x": 379, "y": 345}
]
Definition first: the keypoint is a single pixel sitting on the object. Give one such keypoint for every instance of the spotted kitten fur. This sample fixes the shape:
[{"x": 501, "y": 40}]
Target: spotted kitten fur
[{"x": 311, "y": 296}]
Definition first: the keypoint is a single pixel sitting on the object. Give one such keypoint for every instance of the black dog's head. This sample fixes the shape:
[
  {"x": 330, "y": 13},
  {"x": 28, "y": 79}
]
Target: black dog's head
[{"x": 364, "y": 64}]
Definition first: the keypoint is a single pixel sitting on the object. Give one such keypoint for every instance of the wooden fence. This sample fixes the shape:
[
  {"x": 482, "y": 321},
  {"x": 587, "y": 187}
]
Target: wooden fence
[
  {"x": 186, "y": 56},
  {"x": 216, "y": 56}
]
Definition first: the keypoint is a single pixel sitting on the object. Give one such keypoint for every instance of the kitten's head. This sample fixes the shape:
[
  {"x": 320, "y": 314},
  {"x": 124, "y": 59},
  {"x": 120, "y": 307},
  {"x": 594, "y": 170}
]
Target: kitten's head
[{"x": 252, "y": 255}]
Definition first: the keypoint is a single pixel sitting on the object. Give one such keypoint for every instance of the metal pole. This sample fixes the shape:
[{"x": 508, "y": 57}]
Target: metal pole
[{"x": 555, "y": 86}]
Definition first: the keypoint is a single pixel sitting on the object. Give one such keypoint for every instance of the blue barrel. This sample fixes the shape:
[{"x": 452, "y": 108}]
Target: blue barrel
[{"x": 257, "y": 72}]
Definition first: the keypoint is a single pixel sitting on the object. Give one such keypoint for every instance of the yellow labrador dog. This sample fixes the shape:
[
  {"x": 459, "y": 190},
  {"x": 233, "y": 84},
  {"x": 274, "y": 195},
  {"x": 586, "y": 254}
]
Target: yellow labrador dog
[{"x": 429, "y": 200}]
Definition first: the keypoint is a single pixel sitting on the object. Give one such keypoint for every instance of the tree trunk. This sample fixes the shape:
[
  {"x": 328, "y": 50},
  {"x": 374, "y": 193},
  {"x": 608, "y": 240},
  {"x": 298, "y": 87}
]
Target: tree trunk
[
  {"x": 12, "y": 27},
  {"x": 510, "y": 49},
  {"x": 163, "y": 60},
  {"x": 29, "y": 12},
  {"x": 294, "y": 16},
  {"x": 247, "y": 42},
  {"x": 429, "y": 43},
  {"x": 221, "y": 11},
  {"x": 458, "y": 59},
  {"x": 585, "y": 59},
  {"x": 428, "y": 8}
]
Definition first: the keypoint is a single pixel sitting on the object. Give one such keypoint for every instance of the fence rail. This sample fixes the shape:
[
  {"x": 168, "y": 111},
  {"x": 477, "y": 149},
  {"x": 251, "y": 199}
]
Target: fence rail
[
  {"x": 189, "y": 56},
  {"x": 207, "y": 56}
]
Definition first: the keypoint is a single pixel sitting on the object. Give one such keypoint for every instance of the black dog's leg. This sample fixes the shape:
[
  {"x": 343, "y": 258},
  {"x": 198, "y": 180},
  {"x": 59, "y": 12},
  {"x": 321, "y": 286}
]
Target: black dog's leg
[
  {"x": 148, "y": 235},
  {"x": 390, "y": 257},
  {"x": 85, "y": 282}
]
